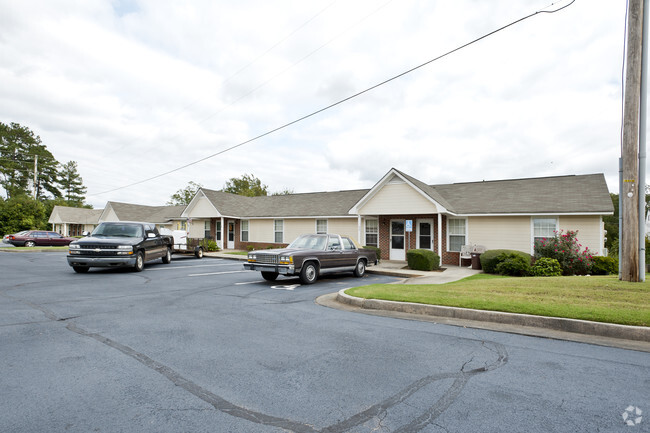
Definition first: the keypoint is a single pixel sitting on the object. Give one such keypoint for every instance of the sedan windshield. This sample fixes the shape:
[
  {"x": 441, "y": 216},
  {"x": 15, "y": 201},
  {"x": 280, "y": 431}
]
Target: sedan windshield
[{"x": 309, "y": 242}]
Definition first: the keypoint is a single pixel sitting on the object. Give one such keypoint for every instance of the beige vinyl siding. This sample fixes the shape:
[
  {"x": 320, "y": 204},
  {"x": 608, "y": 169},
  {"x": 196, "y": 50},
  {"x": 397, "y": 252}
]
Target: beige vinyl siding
[
  {"x": 296, "y": 227},
  {"x": 203, "y": 208},
  {"x": 511, "y": 233},
  {"x": 261, "y": 231},
  {"x": 397, "y": 199},
  {"x": 344, "y": 227},
  {"x": 111, "y": 216},
  {"x": 589, "y": 231}
]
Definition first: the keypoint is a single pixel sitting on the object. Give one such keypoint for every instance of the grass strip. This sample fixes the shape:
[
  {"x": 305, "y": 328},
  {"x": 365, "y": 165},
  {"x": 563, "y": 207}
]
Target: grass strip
[{"x": 595, "y": 298}]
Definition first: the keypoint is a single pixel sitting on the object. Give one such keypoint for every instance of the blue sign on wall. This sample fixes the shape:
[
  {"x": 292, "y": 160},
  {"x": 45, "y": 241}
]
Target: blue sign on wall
[{"x": 409, "y": 225}]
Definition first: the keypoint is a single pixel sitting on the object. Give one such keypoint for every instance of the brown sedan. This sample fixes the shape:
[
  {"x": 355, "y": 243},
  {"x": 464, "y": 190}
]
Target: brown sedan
[{"x": 310, "y": 256}]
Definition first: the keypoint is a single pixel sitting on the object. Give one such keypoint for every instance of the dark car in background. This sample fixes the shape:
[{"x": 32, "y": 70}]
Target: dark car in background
[
  {"x": 310, "y": 256},
  {"x": 37, "y": 238}
]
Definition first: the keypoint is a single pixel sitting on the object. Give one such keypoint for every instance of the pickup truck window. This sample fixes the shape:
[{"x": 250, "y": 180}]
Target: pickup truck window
[{"x": 119, "y": 230}]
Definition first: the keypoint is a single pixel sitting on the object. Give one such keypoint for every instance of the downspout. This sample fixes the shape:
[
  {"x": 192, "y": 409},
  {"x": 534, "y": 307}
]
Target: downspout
[{"x": 642, "y": 142}]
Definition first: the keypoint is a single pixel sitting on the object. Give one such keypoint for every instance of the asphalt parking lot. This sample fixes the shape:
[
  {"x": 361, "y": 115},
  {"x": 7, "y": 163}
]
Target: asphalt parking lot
[{"x": 204, "y": 346}]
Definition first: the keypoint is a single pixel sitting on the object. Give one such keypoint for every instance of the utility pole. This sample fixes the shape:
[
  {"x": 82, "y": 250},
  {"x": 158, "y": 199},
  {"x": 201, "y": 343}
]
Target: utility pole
[
  {"x": 630, "y": 188},
  {"x": 35, "y": 171}
]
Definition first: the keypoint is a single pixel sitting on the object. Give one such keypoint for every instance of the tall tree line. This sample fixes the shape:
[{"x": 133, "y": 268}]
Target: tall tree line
[{"x": 33, "y": 180}]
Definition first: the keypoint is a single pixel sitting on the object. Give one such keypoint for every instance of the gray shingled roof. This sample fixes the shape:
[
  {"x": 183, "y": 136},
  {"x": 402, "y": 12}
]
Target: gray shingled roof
[
  {"x": 292, "y": 205},
  {"x": 561, "y": 194},
  {"x": 152, "y": 214},
  {"x": 76, "y": 215}
]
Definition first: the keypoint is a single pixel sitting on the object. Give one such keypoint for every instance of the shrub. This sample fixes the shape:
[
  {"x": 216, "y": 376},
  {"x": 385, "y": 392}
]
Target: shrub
[
  {"x": 513, "y": 264},
  {"x": 250, "y": 248},
  {"x": 604, "y": 265},
  {"x": 491, "y": 258},
  {"x": 209, "y": 245},
  {"x": 546, "y": 267},
  {"x": 423, "y": 260},
  {"x": 564, "y": 247},
  {"x": 375, "y": 249}
]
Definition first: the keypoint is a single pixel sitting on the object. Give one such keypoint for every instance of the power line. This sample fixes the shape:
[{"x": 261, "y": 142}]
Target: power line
[{"x": 314, "y": 113}]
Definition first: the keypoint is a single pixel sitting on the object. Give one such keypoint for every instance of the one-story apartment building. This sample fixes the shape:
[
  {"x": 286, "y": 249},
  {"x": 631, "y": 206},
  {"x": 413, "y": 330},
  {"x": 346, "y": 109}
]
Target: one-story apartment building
[
  {"x": 400, "y": 213},
  {"x": 71, "y": 221}
]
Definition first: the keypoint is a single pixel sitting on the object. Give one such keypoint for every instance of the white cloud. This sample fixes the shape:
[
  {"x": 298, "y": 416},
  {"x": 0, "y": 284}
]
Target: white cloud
[{"x": 132, "y": 89}]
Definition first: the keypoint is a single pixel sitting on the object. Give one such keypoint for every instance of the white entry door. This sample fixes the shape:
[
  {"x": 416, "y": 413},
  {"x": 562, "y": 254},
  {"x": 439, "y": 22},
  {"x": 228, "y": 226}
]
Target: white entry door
[
  {"x": 425, "y": 234},
  {"x": 231, "y": 235},
  {"x": 397, "y": 251}
]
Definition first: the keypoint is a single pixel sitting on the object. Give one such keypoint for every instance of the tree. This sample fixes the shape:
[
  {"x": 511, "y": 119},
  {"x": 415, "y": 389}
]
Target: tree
[
  {"x": 285, "y": 191},
  {"x": 74, "y": 192},
  {"x": 247, "y": 185},
  {"x": 19, "y": 150},
  {"x": 184, "y": 196},
  {"x": 21, "y": 213}
]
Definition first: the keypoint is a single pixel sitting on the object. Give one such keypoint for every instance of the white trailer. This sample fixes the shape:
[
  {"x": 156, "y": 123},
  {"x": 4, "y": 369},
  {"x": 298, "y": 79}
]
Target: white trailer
[{"x": 181, "y": 245}]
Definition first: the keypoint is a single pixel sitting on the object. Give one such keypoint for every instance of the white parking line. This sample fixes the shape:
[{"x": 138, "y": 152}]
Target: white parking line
[
  {"x": 217, "y": 273},
  {"x": 192, "y": 266},
  {"x": 250, "y": 282}
]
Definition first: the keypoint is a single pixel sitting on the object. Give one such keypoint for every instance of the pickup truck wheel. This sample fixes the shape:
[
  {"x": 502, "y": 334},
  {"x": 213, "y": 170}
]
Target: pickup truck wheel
[
  {"x": 360, "y": 269},
  {"x": 139, "y": 262},
  {"x": 167, "y": 258},
  {"x": 269, "y": 276},
  {"x": 309, "y": 273},
  {"x": 80, "y": 269},
  {"x": 198, "y": 253}
]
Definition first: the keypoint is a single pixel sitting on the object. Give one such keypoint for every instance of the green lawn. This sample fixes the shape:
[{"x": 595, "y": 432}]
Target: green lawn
[
  {"x": 596, "y": 298},
  {"x": 27, "y": 249}
]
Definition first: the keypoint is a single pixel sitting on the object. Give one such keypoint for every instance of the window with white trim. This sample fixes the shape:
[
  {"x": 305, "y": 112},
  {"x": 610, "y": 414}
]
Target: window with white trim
[
  {"x": 244, "y": 230},
  {"x": 278, "y": 228},
  {"x": 544, "y": 228},
  {"x": 372, "y": 233},
  {"x": 206, "y": 229},
  {"x": 321, "y": 226},
  {"x": 456, "y": 234}
]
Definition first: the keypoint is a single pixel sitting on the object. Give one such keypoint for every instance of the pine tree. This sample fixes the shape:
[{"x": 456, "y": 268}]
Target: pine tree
[{"x": 72, "y": 184}]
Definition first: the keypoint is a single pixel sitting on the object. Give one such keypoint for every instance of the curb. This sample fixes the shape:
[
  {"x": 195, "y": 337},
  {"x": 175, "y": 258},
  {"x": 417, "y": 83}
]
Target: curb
[{"x": 610, "y": 330}]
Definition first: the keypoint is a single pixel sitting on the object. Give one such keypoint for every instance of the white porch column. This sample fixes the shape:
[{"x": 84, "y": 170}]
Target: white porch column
[
  {"x": 223, "y": 238},
  {"x": 440, "y": 237},
  {"x": 362, "y": 243}
]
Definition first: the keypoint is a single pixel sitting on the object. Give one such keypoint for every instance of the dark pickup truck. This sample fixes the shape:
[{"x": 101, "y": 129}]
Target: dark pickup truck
[
  {"x": 311, "y": 255},
  {"x": 118, "y": 244}
]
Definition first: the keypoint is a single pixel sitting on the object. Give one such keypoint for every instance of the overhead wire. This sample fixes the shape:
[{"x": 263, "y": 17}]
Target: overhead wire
[{"x": 346, "y": 99}]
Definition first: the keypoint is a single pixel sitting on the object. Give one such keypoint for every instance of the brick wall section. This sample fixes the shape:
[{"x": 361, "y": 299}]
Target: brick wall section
[{"x": 446, "y": 258}]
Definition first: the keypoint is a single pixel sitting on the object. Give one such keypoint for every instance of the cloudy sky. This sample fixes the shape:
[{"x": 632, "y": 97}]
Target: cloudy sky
[{"x": 133, "y": 89}]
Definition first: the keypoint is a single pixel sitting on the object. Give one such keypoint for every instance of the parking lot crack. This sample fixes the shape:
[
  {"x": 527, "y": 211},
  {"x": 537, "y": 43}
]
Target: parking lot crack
[{"x": 217, "y": 402}]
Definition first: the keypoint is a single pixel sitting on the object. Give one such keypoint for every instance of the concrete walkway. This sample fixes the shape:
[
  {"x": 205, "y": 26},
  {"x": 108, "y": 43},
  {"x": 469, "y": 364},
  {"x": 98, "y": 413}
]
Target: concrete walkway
[{"x": 400, "y": 269}]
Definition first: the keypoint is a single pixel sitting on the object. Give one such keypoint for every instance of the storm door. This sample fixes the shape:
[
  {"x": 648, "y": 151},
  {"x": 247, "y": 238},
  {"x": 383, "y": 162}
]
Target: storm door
[
  {"x": 397, "y": 251},
  {"x": 231, "y": 235},
  {"x": 425, "y": 234}
]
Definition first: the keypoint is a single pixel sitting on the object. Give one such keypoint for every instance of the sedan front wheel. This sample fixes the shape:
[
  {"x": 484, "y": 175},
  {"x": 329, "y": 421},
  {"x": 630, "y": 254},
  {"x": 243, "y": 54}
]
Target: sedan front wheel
[{"x": 309, "y": 273}]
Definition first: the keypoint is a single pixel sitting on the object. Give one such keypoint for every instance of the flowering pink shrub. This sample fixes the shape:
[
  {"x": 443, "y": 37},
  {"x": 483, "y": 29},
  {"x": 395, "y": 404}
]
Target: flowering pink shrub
[{"x": 564, "y": 247}]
